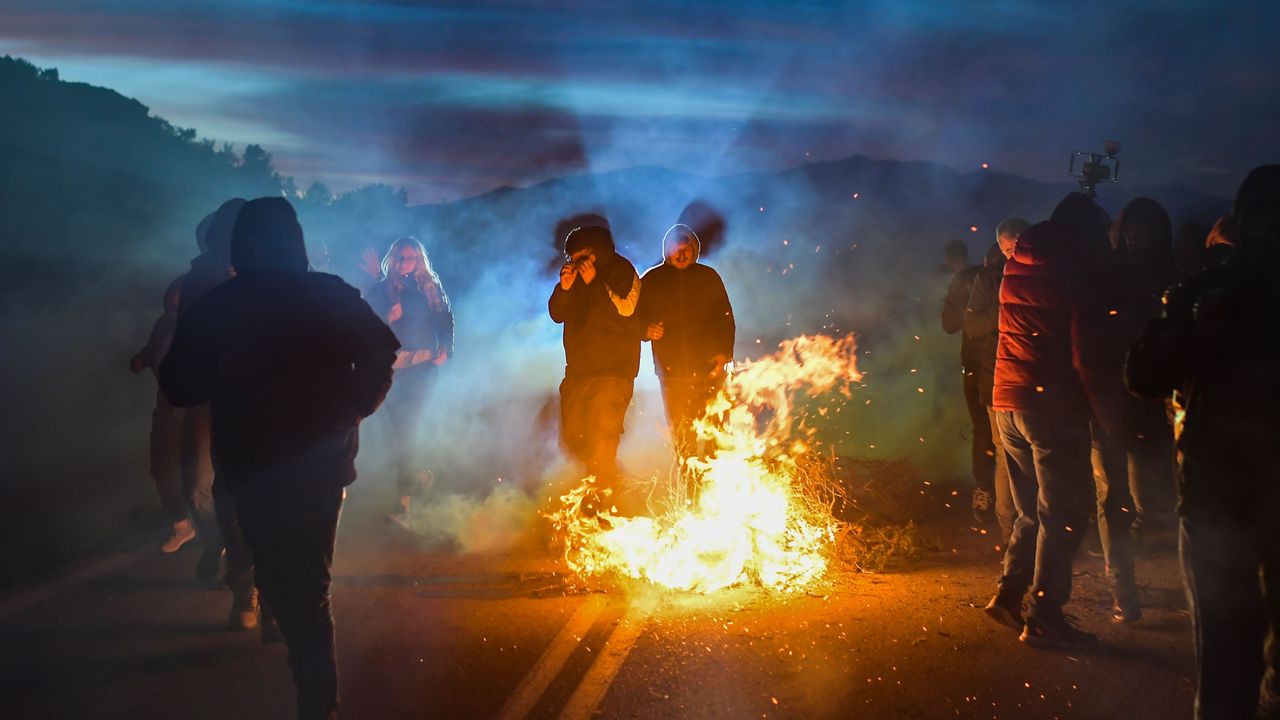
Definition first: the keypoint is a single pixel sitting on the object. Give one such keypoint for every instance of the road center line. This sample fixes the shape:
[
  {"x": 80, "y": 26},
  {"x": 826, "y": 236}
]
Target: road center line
[
  {"x": 74, "y": 578},
  {"x": 531, "y": 688},
  {"x": 600, "y": 675}
]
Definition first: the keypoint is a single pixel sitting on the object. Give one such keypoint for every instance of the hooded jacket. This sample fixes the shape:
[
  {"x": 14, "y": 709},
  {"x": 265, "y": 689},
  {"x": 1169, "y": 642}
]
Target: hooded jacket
[
  {"x": 290, "y": 361},
  {"x": 600, "y": 335},
  {"x": 695, "y": 313},
  {"x": 1058, "y": 352},
  {"x": 212, "y": 267}
]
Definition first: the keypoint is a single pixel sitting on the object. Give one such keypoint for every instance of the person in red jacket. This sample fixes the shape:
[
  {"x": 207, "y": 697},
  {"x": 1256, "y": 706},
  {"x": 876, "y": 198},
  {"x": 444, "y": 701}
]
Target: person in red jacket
[
  {"x": 1054, "y": 374},
  {"x": 982, "y": 328}
]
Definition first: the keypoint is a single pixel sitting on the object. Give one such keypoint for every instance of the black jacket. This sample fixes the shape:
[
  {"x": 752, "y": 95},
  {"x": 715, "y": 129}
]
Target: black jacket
[
  {"x": 953, "y": 315},
  {"x": 420, "y": 327},
  {"x": 598, "y": 339},
  {"x": 290, "y": 363},
  {"x": 982, "y": 320},
  {"x": 1217, "y": 344},
  {"x": 697, "y": 320}
]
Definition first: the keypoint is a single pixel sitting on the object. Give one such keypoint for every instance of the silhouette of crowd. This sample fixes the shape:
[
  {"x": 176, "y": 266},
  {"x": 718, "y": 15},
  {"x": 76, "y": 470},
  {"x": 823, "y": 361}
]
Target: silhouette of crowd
[
  {"x": 1107, "y": 363},
  {"x": 1121, "y": 362}
]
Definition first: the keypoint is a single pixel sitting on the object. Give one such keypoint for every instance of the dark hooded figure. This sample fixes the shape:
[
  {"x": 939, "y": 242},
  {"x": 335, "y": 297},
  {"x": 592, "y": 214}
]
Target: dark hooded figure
[
  {"x": 1133, "y": 472},
  {"x": 982, "y": 452},
  {"x": 290, "y": 362},
  {"x": 166, "y": 420},
  {"x": 685, "y": 312},
  {"x": 1055, "y": 376},
  {"x": 596, "y": 299},
  {"x": 214, "y": 517},
  {"x": 1216, "y": 346}
]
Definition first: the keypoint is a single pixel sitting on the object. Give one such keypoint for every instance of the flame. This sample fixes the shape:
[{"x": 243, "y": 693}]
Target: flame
[{"x": 757, "y": 515}]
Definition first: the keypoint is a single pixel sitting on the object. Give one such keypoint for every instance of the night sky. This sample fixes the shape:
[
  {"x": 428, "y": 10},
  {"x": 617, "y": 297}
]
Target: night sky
[{"x": 450, "y": 99}]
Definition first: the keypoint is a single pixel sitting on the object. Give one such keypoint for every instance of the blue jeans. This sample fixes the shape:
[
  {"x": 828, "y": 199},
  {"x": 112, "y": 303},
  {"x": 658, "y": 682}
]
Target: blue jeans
[{"x": 1052, "y": 485}]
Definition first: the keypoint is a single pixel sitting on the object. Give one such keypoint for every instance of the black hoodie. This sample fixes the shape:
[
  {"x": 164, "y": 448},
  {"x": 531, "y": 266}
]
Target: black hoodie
[{"x": 289, "y": 360}]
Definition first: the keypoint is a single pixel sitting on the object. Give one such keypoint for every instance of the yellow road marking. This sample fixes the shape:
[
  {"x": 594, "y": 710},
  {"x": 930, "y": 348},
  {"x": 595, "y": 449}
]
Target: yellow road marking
[
  {"x": 534, "y": 684},
  {"x": 600, "y": 675}
]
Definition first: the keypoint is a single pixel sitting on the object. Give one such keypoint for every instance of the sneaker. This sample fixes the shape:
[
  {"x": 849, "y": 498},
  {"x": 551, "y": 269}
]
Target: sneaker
[
  {"x": 1055, "y": 631},
  {"x": 244, "y": 611},
  {"x": 1005, "y": 612},
  {"x": 399, "y": 514},
  {"x": 182, "y": 533},
  {"x": 209, "y": 564},
  {"x": 1125, "y": 608},
  {"x": 981, "y": 505}
]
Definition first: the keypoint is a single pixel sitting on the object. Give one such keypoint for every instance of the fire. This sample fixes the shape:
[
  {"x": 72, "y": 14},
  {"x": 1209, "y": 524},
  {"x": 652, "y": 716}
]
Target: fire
[{"x": 756, "y": 514}]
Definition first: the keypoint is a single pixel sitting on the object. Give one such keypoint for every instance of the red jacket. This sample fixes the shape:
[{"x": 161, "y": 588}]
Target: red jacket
[{"x": 1058, "y": 352}]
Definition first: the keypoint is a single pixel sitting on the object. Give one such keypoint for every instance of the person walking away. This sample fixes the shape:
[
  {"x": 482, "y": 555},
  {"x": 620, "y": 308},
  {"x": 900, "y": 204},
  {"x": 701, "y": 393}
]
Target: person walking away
[
  {"x": 596, "y": 299},
  {"x": 166, "y": 420},
  {"x": 289, "y": 362},
  {"x": 982, "y": 328},
  {"x": 982, "y": 453},
  {"x": 1052, "y": 377},
  {"x": 686, "y": 314},
  {"x": 1216, "y": 344},
  {"x": 411, "y": 300},
  {"x": 1143, "y": 240}
]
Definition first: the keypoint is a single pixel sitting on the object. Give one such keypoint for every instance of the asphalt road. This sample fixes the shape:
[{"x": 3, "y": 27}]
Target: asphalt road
[{"x": 425, "y": 633}]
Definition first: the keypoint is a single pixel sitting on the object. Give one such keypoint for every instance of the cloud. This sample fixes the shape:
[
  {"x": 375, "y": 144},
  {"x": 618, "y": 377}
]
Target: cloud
[{"x": 457, "y": 98}]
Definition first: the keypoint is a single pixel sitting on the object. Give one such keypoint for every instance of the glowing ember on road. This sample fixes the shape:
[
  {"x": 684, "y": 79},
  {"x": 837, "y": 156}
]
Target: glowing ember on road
[{"x": 760, "y": 513}]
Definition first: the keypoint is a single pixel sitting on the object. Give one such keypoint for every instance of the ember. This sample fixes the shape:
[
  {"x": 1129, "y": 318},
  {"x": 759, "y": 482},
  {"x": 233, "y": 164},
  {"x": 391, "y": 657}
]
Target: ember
[{"x": 757, "y": 515}]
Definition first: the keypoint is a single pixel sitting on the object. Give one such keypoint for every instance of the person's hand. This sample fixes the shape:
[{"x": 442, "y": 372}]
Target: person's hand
[
  {"x": 440, "y": 358},
  {"x": 717, "y": 365},
  {"x": 370, "y": 263},
  {"x": 136, "y": 363},
  {"x": 588, "y": 270},
  {"x": 395, "y": 313},
  {"x": 655, "y": 331},
  {"x": 567, "y": 273}
]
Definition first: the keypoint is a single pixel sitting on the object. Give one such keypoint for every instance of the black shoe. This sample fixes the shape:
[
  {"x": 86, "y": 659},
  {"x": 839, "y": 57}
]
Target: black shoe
[
  {"x": 1055, "y": 630},
  {"x": 209, "y": 564},
  {"x": 1006, "y": 612}
]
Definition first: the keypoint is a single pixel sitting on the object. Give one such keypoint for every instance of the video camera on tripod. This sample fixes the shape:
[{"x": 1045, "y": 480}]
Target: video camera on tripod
[{"x": 1096, "y": 168}]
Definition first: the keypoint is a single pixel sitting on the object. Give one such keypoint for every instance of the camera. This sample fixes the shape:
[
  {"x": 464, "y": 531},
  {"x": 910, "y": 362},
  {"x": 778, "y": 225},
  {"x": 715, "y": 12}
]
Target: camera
[{"x": 1091, "y": 168}]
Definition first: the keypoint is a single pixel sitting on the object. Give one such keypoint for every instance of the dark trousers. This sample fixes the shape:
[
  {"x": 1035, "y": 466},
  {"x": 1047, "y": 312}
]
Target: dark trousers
[
  {"x": 592, "y": 412},
  {"x": 1052, "y": 491},
  {"x": 685, "y": 398},
  {"x": 290, "y": 523},
  {"x": 239, "y": 577},
  {"x": 982, "y": 450},
  {"x": 1117, "y": 512},
  {"x": 1231, "y": 566},
  {"x": 166, "y": 459},
  {"x": 197, "y": 475},
  {"x": 405, "y": 409}
]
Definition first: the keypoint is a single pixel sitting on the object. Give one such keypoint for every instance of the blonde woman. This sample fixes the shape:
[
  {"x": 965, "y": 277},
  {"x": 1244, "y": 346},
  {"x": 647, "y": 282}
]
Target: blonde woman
[{"x": 410, "y": 298}]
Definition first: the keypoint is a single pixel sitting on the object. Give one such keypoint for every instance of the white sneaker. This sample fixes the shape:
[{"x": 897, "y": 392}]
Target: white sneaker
[{"x": 182, "y": 533}]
